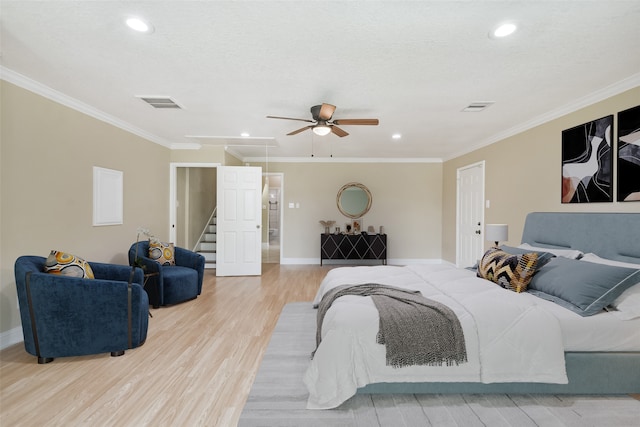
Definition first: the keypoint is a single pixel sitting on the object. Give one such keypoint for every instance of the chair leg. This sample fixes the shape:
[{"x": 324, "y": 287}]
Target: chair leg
[
  {"x": 44, "y": 360},
  {"x": 117, "y": 353}
]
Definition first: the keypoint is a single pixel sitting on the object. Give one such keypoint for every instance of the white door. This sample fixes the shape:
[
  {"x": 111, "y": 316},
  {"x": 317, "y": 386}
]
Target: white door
[
  {"x": 470, "y": 215},
  {"x": 238, "y": 221}
]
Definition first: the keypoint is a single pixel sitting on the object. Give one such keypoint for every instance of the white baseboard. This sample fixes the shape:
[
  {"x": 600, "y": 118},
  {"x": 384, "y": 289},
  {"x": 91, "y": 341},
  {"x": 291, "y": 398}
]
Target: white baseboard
[
  {"x": 391, "y": 261},
  {"x": 10, "y": 337}
]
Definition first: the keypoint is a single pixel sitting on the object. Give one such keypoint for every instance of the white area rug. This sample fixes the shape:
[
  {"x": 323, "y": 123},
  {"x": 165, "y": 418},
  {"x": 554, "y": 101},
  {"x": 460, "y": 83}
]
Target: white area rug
[{"x": 278, "y": 396}]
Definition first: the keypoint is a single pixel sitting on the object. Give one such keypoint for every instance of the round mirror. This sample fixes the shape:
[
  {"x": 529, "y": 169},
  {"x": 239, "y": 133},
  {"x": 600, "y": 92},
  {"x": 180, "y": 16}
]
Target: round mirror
[{"x": 354, "y": 200}]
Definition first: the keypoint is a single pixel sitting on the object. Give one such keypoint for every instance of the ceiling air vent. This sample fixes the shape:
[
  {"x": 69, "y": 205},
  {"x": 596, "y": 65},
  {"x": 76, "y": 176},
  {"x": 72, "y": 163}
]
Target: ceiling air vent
[
  {"x": 160, "y": 101},
  {"x": 476, "y": 107}
]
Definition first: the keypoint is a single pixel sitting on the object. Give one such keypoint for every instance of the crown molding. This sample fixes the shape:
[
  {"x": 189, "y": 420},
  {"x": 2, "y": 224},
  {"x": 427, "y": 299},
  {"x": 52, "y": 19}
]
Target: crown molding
[
  {"x": 617, "y": 88},
  {"x": 52, "y": 94},
  {"x": 340, "y": 160},
  {"x": 68, "y": 101}
]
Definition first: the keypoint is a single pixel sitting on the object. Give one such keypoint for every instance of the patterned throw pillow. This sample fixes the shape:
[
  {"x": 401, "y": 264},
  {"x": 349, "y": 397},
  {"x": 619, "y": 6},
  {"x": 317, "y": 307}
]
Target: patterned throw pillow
[
  {"x": 162, "y": 252},
  {"x": 67, "y": 265},
  {"x": 510, "y": 271}
]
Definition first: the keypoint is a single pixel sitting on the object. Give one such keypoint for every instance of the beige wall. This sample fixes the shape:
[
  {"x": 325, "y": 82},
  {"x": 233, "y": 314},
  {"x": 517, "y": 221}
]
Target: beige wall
[
  {"x": 523, "y": 174},
  {"x": 48, "y": 154},
  {"x": 406, "y": 200},
  {"x": 48, "y": 151},
  {"x": 206, "y": 154}
]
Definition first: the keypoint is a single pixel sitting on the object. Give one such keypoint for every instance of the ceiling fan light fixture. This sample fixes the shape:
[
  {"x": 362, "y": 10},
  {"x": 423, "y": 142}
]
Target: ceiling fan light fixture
[{"x": 321, "y": 130}]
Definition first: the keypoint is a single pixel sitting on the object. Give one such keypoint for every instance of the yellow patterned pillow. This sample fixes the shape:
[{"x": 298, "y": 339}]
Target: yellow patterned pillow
[
  {"x": 67, "y": 265},
  {"x": 162, "y": 252},
  {"x": 512, "y": 272}
]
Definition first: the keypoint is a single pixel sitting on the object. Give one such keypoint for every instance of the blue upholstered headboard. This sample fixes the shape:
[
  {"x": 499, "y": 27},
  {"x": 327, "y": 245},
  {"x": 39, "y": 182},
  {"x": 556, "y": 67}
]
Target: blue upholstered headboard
[{"x": 609, "y": 235}]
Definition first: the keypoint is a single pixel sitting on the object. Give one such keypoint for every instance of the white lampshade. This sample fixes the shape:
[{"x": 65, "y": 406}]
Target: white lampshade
[
  {"x": 496, "y": 232},
  {"x": 321, "y": 130}
]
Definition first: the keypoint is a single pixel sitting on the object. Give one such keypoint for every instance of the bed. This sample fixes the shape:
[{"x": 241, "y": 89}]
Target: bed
[{"x": 537, "y": 341}]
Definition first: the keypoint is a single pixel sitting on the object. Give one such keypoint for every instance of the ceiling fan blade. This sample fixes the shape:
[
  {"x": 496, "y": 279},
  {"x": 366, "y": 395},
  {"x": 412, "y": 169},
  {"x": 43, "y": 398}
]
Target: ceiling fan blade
[
  {"x": 335, "y": 129},
  {"x": 295, "y": 132},
  {"x": 290, "y": 118},
  {"x": 326, "y": 111},
  {"x": 372, "y": 122}
]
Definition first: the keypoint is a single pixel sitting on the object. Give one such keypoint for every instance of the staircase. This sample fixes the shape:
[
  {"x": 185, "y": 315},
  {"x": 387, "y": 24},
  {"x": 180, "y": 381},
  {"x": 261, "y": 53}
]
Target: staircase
[{"x": 206, "y": 245}]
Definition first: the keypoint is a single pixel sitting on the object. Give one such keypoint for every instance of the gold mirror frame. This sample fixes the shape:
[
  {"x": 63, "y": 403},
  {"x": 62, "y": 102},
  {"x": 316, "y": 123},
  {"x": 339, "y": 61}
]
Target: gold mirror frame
[{"x": 341, "y": 208}]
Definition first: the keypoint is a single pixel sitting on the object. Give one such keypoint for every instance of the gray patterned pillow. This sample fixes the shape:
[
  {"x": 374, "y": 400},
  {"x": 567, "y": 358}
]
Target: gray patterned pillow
[{"x": 511, "y": 271}]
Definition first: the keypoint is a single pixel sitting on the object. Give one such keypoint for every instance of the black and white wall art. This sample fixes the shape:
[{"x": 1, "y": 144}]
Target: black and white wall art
[
  {"x": 629, "y": 155},
  {"x": 587, "y": 162}
]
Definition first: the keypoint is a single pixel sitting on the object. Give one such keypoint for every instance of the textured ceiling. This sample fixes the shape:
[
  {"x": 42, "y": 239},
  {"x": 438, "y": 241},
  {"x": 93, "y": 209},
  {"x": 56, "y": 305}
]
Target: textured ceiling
[{"x": 413, "y": 65}]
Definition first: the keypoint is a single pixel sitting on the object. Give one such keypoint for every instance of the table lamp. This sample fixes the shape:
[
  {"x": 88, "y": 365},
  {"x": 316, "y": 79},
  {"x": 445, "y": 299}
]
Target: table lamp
[{"x": 496, "y": 233}]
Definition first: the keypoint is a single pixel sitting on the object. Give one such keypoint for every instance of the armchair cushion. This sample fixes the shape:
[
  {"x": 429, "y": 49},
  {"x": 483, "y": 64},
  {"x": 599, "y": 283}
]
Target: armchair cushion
[{"x": 68, "y": 265}]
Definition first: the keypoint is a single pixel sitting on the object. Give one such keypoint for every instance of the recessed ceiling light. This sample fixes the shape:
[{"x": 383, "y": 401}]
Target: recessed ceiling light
[
  {"x": 140, "y": 25},
  {"x": 245, "y": 134},
  {"x": 503, "y": 30},
  {"x": 396, "y": 136}
]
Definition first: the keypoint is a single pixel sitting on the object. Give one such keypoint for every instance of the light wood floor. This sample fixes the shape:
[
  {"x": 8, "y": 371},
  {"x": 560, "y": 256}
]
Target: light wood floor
[{"x": 196, "y": 367}]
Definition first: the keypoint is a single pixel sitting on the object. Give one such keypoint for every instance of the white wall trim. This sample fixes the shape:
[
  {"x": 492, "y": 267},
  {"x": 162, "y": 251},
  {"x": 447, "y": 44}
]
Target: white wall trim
[
  {"x": 11, "y": 337},
  {"x": 597, "y": 96},
  {"x": 66, "y": 100},
  {"x": 390, "y": 261},
  {"x": 341, "y": 160},
  {"x": 592, "y": 98}
]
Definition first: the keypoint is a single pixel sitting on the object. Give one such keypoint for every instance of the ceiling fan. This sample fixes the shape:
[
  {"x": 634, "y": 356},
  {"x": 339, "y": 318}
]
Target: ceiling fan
[{"x": 322, "y": 123}]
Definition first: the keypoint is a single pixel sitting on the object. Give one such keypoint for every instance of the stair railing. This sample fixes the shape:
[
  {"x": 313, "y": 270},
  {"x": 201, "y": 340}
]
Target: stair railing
[{"x": 204, "y": 230}]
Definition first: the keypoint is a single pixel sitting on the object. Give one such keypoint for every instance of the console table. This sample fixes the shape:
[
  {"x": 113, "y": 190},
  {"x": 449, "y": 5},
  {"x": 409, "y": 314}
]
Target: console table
[{"x": 353, "y": 246}]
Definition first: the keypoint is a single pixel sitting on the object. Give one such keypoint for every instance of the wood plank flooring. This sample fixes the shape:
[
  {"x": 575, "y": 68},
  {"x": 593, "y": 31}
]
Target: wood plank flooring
[{"x": 196, "y": 367}]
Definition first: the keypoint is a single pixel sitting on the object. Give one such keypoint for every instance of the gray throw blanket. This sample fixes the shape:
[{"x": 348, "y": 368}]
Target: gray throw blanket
[{"x": 415, "y": 330}]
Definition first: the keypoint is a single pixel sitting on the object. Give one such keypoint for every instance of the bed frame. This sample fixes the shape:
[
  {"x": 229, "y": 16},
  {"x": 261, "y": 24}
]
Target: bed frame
[{"x": 609, "y": 235}]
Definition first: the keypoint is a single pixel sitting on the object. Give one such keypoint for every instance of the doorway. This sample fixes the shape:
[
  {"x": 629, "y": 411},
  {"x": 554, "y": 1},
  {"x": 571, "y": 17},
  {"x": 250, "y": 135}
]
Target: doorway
[
  {"x": 179, "y": 187},
  {"x": 187, "y": 204},
  {"x": 272, "y": 217},
  {"x": 470, "y": 214}
]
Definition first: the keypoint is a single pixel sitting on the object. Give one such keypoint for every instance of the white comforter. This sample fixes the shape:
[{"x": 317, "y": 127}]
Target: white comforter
[{"x": 508, "y": 337}]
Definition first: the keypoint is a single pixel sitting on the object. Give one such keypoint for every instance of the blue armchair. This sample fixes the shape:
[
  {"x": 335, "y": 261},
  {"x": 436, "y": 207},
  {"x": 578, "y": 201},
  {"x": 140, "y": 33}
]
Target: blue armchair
[
  {"x": 173, "y": 284},
  {"x": 70, "y": 316}
]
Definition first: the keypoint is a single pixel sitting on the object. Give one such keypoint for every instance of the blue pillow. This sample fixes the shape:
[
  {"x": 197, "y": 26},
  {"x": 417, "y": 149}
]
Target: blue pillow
[{"x": 582, "y": 287}]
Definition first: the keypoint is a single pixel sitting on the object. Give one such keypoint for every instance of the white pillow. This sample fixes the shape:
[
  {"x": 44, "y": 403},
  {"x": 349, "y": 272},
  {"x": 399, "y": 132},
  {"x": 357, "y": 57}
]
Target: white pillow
[
  {"x": 565, "y": 253},
  {"x": 598, "y": 260},
  {"x": 627, "y": 305}
]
